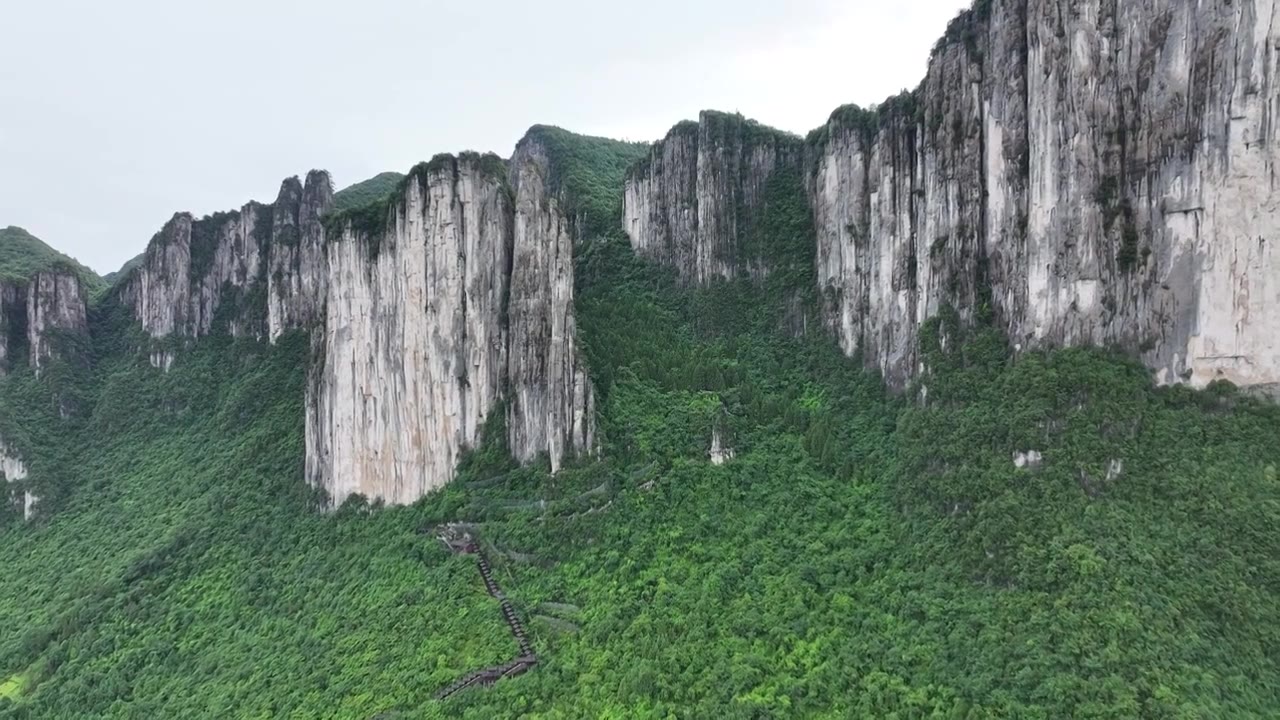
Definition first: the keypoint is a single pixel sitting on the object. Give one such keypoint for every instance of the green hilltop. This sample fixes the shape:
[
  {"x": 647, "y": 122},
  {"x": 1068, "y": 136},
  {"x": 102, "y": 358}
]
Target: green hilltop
[
  {"x": 367, "y": 191},
  {"x": 23, "y": 255}
]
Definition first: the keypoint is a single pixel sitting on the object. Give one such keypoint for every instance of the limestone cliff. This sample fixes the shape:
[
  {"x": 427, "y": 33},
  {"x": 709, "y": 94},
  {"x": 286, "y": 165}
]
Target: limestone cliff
[
  {"x": 1091, "y": 172},
  {"x": 694, "y": 203},
  {"x": 56, "y": 305},
  {"x": 245, "y": 268},
  {"x": 40, "y": 316},
  {"x": 551, "y": 407},
  {"x": 454, "y": 298},
  {"x": 412, "y": 354},
  {"x": 297, "y": 267},
  {"x": 13, "y": 472}
]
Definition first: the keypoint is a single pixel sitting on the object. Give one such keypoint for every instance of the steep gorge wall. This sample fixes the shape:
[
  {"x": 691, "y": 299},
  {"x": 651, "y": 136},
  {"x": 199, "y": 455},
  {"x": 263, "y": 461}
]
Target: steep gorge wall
[
  {"x": 412, "y": 346},
  {"x": 259, "y": 267},
  {"x": 462, "y": 299},
  {"x": 429, "y": 312},
  {"x": 694, "y": 203},
  {"x": 38, "y": 315},
  {"x": 1093, "y": 172},
  {"x": 1084, "y": 173},
  {"x": 551, "y": 405}
]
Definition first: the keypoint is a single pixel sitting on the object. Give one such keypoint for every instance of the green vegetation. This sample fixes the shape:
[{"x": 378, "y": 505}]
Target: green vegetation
[
  {"x": 587, "y": 173},
  {"x": 362, "y": 193},
  {"x": 730, "y": 127},
  {"x": 23, "y": 255},
  {"x": 109, "y": 280},
  {"x": 967, "y": 27},
  {"x": 863, "y": 554},
  {"x": 867, "y": 122},
  {"x": 12, "y": 688}
]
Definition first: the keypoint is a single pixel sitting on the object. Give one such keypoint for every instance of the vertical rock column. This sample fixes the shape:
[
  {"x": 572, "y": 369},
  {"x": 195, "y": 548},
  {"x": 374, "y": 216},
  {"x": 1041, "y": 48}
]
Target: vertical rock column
[
  {"x": 55, "y": 306},
  {"x": 298, "y": 272},
  {"x": 551, "y": 405},
  {"x": 412, "y": 353}
]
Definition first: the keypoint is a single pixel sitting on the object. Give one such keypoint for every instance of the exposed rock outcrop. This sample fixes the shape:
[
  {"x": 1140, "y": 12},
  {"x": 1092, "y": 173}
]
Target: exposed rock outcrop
[
  {"x": 14, "y": 471},
  {"x": 551, "y": 407},
  {"x": 460, "y": 300},
  {"x": 1090, "y": 172},
  {"x": 254, "y": 269},
  {"x": 56, "y": 309},
  {"x": 297, "y": 269},
  {"x": 41, "y": 315},
  {"x": 694, "y": 203},
  {"x": 412, "y": 353}
]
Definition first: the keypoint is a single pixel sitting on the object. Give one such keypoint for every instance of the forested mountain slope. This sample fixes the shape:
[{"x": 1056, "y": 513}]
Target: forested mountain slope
[
  {"x": 862, "y": 553},
  {"x": 720, "y": 465}
]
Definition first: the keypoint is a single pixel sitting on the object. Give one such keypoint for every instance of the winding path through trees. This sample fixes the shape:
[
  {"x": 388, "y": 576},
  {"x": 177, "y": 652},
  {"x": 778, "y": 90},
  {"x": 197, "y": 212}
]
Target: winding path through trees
[{"x": 527, "y": 657}]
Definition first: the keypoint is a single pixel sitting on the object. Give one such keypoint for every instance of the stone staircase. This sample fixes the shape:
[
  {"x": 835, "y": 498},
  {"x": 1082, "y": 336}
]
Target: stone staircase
[{"x": 527, "y": 657}]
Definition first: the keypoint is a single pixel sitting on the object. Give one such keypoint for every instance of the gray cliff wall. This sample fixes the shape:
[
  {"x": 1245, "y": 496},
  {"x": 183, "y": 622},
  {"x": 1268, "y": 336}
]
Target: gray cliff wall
[
  {"x": 253, "y": 258},
  {"x": 56, "y": 304},
  {"x": 452, "y": 301},
  {"x": 1094, "y": 172},
  {"x": 298, "y": 271},
  {"x": 41, "y": 320},
  {"x": 1085, "y": 173},
  {"x": 38, "y": 315},
  {"x": 551, "y": 404},
  {"x": 693, "y": 203}
]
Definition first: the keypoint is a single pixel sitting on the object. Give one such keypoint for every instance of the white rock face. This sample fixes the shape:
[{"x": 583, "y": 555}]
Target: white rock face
[
  {"x": 694, "y": 204},
  {"x": 12, "y": 470},
  {"x": 720, "y": 453},
  {"x": 413, "y": 346},
  {"x": 298, "y": 276},
  {"x": 1094, "y": 172},
  {"x": 265, "y": 260},
  {"x": 465, "y": 300},
  {"x": 1115, "y": 468},
  {"x": 551, "y": 407}
]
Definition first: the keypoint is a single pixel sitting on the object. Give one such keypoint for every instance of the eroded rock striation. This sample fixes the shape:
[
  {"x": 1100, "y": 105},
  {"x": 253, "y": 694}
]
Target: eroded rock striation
[
  {"x": 256, "y": 269},
  {"x": 694, "y": 204},
  {"x": 40, "y": 318},
  {"x": 412, "y": 346},
  {"x": 551, "y": 407},
  {"x": 458, "y": 299},
  {"x": 1090, "y": 172}
]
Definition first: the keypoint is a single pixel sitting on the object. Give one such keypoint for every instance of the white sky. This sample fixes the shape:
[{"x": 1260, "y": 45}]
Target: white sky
[{"x": 114, "y": 115}]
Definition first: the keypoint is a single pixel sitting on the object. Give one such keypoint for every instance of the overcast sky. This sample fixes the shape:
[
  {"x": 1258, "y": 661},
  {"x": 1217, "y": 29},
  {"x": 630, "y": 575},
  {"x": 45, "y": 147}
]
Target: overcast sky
[{"x": 114, "y": 115}]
